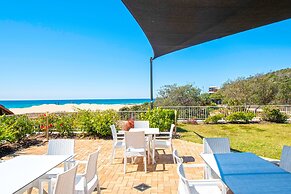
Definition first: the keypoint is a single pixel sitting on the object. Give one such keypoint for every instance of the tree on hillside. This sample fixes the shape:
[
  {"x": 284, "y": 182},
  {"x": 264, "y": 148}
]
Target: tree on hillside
[
  {"x": 284, "y": 91},
  {"x": 262, "y": 89},
  {"x": 236, "y": 92},
  {"x": 174, "y": 95}
]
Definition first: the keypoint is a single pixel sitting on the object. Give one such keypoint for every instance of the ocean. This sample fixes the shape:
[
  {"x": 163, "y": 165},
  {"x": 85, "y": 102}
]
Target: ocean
[{"x": 30, "y": 103}]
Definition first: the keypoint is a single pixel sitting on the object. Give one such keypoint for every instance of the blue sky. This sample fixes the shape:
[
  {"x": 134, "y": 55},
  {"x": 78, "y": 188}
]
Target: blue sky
[{"x": 95, "y": 49}]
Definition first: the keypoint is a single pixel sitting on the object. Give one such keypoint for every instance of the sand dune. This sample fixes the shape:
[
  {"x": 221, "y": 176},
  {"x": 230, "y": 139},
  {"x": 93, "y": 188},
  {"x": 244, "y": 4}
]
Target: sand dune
[{"x": 66, "y": 108}]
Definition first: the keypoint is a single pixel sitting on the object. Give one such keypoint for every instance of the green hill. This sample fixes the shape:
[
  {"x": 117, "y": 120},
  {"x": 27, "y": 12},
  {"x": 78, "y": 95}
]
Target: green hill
[{"x": 270, "y": 88}]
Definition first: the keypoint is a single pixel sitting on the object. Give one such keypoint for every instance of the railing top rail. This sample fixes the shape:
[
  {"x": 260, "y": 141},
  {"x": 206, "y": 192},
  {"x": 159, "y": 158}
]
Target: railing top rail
[{"x": 137, "y": 111}]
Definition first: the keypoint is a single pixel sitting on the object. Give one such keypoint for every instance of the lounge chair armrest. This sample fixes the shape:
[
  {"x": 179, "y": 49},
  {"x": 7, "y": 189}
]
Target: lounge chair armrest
[
  {"x": 217, "y": 182},
  {"x": 276, "y": 162},
  {"x": 194, "y": 165}
]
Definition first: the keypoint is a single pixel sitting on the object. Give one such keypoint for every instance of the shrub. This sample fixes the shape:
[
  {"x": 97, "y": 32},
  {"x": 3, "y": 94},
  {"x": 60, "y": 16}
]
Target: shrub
[
  {"x": 214, "y": 119},
  {"x": 274, "y": 115},
  {"x": 191, "y": 121},
  {"x": 64, "y": 124},
  {"x": 46, "y": 121},
  {"x": 14, "y": 128},
  {"x": 159, "y": 118},
  {"x": 103, "y": 120},
  {"x": 238, "y": 117},
  {"x": 96, "y": 122}
]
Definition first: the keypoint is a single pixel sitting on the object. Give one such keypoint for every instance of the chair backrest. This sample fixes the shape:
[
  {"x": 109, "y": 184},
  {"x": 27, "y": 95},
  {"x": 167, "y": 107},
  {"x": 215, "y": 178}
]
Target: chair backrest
[
  {"x": 61, "y": 147},
  {"x": 172, "y": 130},
  {"x": 178, "y": 159},
  {"x": 285, "y": 162},
  {"x": 114, "y": 133},
  {"x": 66, "y": 182},
  {"x": 91, "y": 167},
  {"x": 141, "y": 124},
  {"x": 183, "y": 182},
  {"x": 134, "y": 139},
  {"x": 216, "y": 145}
]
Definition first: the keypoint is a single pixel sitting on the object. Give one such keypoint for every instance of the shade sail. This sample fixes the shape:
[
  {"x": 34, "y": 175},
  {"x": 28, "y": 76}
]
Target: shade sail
[{"x": 172, "y": 25}]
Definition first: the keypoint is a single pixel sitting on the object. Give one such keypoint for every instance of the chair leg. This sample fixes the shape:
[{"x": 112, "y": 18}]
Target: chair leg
[
  {"x": 113, "y": 155},
  {"x": 172, "y": 154},
  {"x": 98, "y": 190},
  {"x": 149, "y": 153},
  {"x": 124, "y": 166},
  {"x": 50, "y": 189},
  {"x": 145, "y": 163}
]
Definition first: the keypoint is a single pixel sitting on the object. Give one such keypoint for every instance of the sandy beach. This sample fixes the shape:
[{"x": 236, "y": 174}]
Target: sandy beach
[{"x": 51, "y": 108}]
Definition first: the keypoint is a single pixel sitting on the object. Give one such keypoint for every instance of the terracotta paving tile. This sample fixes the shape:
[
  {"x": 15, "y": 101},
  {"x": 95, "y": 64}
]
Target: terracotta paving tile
[{"x": 162, "y": 177}]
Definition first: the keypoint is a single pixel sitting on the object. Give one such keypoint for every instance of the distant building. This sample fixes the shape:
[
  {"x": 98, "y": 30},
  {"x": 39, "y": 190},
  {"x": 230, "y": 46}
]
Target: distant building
[
  {"x": 212, "y": 89},
  {"x": 5, "y": 111}
]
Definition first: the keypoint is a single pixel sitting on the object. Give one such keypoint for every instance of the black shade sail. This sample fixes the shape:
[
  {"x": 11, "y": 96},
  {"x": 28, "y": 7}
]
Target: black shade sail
[{"x": 172, "y": 25}]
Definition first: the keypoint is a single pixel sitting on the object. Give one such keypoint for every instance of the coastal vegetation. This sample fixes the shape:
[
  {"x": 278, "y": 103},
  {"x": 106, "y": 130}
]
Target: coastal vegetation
[
  {"x": 261, "y": 89},
  {"x": 264, "y": 139},
  {"x": 84, "y": 122}
]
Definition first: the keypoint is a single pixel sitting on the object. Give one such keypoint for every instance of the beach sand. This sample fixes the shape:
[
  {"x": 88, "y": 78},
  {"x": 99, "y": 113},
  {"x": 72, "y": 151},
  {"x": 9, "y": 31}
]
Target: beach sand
[{"x": 52, "y": 108}]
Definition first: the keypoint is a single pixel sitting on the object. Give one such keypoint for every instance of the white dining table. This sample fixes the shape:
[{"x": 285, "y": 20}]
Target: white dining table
[
  {"x": 246, "y": 173},
  {"x": 18, "y": 174}
]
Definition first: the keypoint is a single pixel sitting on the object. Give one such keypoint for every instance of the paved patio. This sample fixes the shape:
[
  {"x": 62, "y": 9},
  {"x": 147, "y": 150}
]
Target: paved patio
[{"x": 162, "y": 177}]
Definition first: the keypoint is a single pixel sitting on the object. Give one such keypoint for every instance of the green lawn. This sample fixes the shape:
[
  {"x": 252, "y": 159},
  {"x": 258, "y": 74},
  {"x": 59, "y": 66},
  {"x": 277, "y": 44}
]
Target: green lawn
[{"x": 262, "y": 139}]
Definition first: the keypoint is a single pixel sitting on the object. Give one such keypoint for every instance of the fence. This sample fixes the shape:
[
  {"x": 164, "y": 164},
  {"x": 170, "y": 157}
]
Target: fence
[
  {"x": 195, "y": 112},
  {"x": 203, "y": 112}
]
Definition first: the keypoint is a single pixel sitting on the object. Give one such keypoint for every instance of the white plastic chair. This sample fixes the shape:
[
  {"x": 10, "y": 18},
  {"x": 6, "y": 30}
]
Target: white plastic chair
[
  {"x": 135, "y": 145},
  {"x": 165, "y": 140},
  {"x": 216, "y": 145},
  {"x": 118, "y": 142},
  {"x": 65, "y": 182},
  {"x": 179, "y": 160},
  {"x": 58, "y": 147},
  {"x": 285, "y": 161},
  {"x": 141, "y": 124},
  {"x": 88, "y": 181},
  {"x": 198, "y": 186}
]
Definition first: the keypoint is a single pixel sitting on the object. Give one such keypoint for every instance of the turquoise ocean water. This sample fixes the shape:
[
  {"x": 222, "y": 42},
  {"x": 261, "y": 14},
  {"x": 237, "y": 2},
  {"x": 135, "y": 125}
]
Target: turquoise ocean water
[{"x": 30, "y": 103}]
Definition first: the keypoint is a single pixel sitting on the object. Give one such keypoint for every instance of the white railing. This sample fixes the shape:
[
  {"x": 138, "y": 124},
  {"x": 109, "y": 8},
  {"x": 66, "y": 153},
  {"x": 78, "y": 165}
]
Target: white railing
[{"x": 193, "y": 112}]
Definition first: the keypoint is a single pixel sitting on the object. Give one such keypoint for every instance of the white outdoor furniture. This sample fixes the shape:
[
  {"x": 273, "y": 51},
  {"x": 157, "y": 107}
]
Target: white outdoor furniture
[
  {"x": 62, "y": 147},
  {"x": 151, "y": 134},
  {"x": 246, "y": 173},
  {"x": 87, "y": 182},
  {"x": 135, "y": 145},
  {"x": 285, "y": 161},
  {"x": 216, "y": 145},
  {"x": 141, "y": 124},
  {"x": 58, "y": 147},
  {"x": 177, "y": 158},
  {"x": 197, "y": 186},
  {"x": 164, "y": 141},
  {"x": 118, "y": 141},
  {"x": 65, "y": 182},
  {"x": 20, "y": 173}
]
